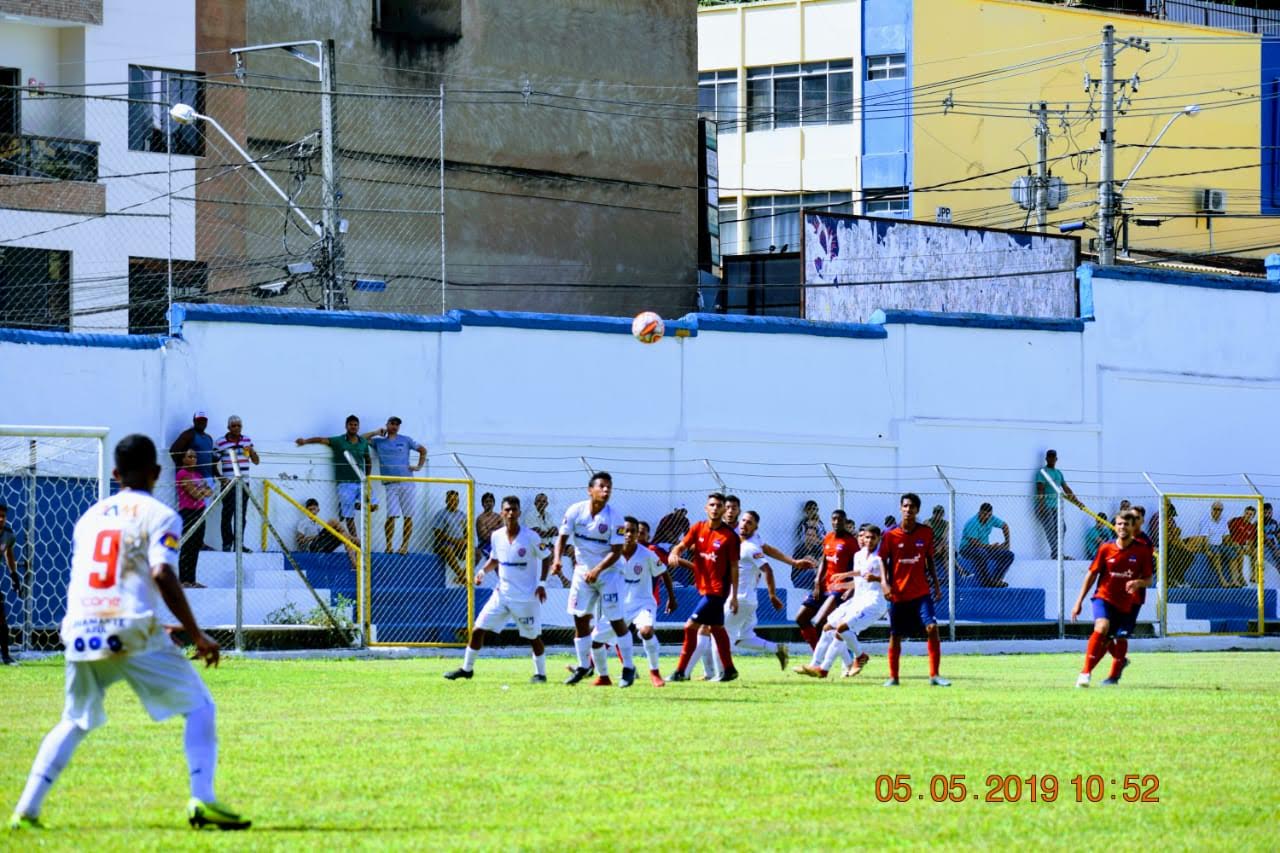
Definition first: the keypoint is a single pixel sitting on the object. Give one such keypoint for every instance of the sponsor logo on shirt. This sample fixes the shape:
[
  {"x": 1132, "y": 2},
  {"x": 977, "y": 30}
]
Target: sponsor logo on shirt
[
  {"x": 520, "y": 553},
  {"x": 638, "y": 569},
  {"x": 602, "y": 527}
]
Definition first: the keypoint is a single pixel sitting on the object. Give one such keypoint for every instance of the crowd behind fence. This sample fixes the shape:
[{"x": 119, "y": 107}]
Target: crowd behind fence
[{"x": 1010, "y": 560}]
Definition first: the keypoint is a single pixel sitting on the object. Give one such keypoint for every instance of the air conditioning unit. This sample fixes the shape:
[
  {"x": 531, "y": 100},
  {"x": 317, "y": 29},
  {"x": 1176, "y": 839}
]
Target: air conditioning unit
[{"x": 1211, "y": 201}]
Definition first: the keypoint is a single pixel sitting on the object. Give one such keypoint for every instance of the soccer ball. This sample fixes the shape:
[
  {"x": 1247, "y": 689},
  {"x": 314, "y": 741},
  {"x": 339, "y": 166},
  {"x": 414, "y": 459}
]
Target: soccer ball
[{"x": 648, "y": 327}]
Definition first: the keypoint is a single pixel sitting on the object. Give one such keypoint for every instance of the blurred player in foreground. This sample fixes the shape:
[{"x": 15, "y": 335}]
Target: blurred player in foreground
[{"x": 126, "y": 551}]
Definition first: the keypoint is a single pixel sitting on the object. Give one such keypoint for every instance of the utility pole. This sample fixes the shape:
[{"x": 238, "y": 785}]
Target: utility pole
[
  {"x": 1107, "y": 168},
  {"x": 1042, "y": 168},
  {"x": 335, "y": 295}
]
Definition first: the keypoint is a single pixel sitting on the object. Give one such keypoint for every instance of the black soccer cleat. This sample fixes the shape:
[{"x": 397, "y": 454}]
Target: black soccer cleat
[
  {"x": 678, "y": 675},
  {"x": 538, "y": 679},
  {"x": 455, "y": 674},
  {"x": 579, "y": 673},
  {"x": 628, "y": 676},
  {"x": 728, "y": 675}
]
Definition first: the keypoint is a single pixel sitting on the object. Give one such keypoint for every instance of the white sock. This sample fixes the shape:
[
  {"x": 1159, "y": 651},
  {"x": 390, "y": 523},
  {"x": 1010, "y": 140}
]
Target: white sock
[
  {"x": 540, "y": 664},
  {"x": 626, "y": 645},
  {"x": 699, "y": 649},
  {"x": 583, "y": 647},
  {"x": 200, "y": 741},
  {"x": 651, "y": 651},
  {"x": 709, "y": 659},
  {"x": 851, "y": 640},
  {"x": 469, "y": 656},
  {"x": 825, "y": 639},
  {"x": 55, "y": 752},
  {"x": 755, "y": 641},
  {"x": 844, "y": 653},
  {"x": 831, "y": 650},
  {"x": 601, "y": 656}
]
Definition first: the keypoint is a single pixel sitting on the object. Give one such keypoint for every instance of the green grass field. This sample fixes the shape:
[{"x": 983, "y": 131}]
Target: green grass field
[{"x": 384, "y": 754}]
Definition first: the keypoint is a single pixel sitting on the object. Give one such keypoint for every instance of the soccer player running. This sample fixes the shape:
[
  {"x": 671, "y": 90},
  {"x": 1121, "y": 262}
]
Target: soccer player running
[
  {"x": 515, "y": 553},
  {"x": 596, "y": 532},
  {"x": 864, "y": 604},
  {"x": 715, "y": 573},
  {"x": 911, "y": 586},
  {"x": 741, "y": 624},
  {"x": 1121, "y": 569},
  {"x": 640, "y": 570},
  {"x": 123, "y": 565},
  {"x": 838, "y": 549}
]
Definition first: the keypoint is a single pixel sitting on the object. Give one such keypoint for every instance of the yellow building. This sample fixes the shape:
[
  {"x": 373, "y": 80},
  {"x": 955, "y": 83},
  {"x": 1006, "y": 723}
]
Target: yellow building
[{"x": 978, "y": 66}]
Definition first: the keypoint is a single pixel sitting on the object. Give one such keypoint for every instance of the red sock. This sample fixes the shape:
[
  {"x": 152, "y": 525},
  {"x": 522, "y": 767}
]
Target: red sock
[
  {"x": 1095, "y": 651},
  {"x": 686, "y": 650},
  {"x": 935, "y": 654},
  {"x": 810, "y": 635},
  {"x": 895, "y": 649},
  {"x": 721, "y": 637},
  {"x": 618, "y": 649},
  {"x": 1119, "y": 651}
]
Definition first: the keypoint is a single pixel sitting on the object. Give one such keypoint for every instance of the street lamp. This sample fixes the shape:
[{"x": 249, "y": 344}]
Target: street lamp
[{"x": 1189, "y": 110}]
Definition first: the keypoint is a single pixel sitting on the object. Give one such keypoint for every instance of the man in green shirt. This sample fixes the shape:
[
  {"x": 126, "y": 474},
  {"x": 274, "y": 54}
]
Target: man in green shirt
[
  {"x": 989, "y": 560},
  {"x": 348, "y": 478},
  {"x": 1047, "y": 499}
]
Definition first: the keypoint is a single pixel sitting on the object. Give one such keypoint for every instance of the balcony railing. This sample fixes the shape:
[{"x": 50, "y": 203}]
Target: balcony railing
[{"x": 48, "y": 157}]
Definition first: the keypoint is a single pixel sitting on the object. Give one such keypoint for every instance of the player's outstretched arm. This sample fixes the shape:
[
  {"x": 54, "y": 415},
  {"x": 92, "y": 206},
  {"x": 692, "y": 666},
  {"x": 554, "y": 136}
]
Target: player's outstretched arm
[
  {"x": 802, "y": 563},
  {"x": 315, "y": 439},
  {"x": 1084, "y": 590},
  {"x": 176, "y": 601},
  {"x": 671, "y": 591},
  {"x": 767, "y": 571}
]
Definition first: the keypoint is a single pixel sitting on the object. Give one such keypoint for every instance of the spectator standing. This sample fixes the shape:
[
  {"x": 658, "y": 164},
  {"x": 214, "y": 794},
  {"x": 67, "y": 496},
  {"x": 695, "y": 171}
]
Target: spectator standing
[
  {"x": 1047, "y": 499},
  {"x": 544, "y": 523},
  {"x": 311, "y": 535},
  {"x": 1244, "y": 542},
  {"x": 348, "y": 478},
  {"x": 1096, "y": 535},
  {"x": 810, "y": 532},
  {"x": 673, "y": 526},
  {"x": 7, "y": 541},
  {"x": 195, "y": 438},
  {"x": 941, "y": 533},
  {"x": 1271, "y": 534},
  {"x": 193, "y": 496},
  {"x": 392, "y": 448},
  {"x": 234, "y": 450},
  {"x": 449, "y": 536},
  {"x": 486, "y": 522},
  {"x": 990, "y": 560},
  {"x": 1213, "y": 539}
]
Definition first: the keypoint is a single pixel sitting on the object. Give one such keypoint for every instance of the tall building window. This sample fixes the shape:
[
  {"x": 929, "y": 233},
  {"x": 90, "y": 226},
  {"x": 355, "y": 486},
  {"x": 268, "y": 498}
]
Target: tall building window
[
  {"x": 815, "y": 93},
  {"x": 35, "y": 289},
  {"x": 889, "y": 66},
  {"x": 718, "y": 99},
  {"x": 773, "y": 221},
  {"x": 152, "y": 91},
  {"x": 894, "y": 201},
  {"x": 729, "y": 227}
]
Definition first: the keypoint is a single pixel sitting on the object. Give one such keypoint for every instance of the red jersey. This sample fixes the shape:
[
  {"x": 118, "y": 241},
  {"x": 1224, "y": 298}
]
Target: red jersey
[
  {"x": 714, "y": 551},
  {"x": 838, "y": 549},
  {"x": 1116, "y": 566},
  {"x": 906, "y": 557}
]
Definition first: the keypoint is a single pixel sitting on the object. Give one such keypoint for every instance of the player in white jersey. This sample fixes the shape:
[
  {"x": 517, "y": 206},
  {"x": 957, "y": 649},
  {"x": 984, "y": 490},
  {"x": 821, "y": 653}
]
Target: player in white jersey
[
  {"x": 704, "y": 650},
  {"x": 516, "y": 553},
  {"x": 639, "y": 568},
  {"x": 126, "y": 550},
  {"x": 595, "y": 530},
  {"x": 864, "y": 603},
  {"x": 751, "y": 567}
]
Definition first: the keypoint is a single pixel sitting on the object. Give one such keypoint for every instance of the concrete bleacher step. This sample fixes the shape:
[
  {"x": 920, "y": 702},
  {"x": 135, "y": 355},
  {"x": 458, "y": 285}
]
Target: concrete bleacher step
[{"x": 217, "y": 605}]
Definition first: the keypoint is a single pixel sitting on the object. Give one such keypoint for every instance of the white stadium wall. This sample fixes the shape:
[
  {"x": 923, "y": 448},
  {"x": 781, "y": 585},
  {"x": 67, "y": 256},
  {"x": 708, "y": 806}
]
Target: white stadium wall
[{"x": 1177, "y": 373}]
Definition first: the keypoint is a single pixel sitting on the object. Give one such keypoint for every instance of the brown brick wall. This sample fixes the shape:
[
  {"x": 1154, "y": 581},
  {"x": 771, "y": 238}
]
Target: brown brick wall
[
  {"x": 56, "y": 196},
  {"x": 79, "y": 11}
]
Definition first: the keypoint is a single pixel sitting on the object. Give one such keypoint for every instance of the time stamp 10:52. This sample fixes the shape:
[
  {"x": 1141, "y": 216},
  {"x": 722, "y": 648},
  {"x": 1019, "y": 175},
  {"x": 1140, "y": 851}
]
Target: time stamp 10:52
[{"x": 1012, "y": 788}]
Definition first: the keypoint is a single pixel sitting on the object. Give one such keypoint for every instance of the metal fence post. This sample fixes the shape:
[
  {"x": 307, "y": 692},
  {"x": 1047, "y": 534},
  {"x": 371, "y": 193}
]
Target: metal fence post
[
  {"x": 238, "y": 544},
  {"x": 839, "y": 485},
  {"x": 951, "y": 549},
  {"x": 715, "y": 475},
  {"x": 1162, "y": 556},
  {"x": 1062, "y": 569}
]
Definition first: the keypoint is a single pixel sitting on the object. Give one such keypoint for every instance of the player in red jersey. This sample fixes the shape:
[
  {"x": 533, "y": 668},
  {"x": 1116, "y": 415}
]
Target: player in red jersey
[
  {"x": 911, "y": 586},
  {"x": 838, "y": 548},
  {"x": 715, "y": 572},
  {"x": 1121, "y": 569}
]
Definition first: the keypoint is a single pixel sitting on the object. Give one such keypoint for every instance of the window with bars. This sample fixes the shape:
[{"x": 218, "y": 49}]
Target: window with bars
[
  {"x": 815, "y": 93},
  {"x": 729, "y": 228},
  {"x": 888, "y": 66},
  {"x": 773, "y": 221},
  {"x": 895, "y": 201},
  {"x": 718, "y": 99},
  {"x": 35, "y": 289},
  {"x": 152, "y": 91}
]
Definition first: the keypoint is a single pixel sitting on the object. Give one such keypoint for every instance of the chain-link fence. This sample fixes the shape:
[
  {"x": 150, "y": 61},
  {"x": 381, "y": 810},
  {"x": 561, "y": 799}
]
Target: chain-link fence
[{"x": 118, "y": 203}]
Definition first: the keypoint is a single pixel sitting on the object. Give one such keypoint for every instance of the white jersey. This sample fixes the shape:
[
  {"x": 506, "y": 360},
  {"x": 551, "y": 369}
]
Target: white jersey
[
  {"x": 867, "y": 591},
  {"x": 519, "y": 563},
  {"x": 112, "y": 599},
  {"x": 638, "y": 573},
  {"x": 592, "y": 536},
  {"x": 751, "y": 562}
]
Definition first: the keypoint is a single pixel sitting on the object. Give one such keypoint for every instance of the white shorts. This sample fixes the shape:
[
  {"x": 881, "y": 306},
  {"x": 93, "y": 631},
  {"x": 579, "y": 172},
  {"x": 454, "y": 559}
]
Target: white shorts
[
  {"x": 348, "y": 499},
  {"x": 164, "y": 680},
  {"x": 641, "y": 617},
  {"x": 399, "y": 498},
  {"x": 859, "y": 613},
  {"x": 602, "y": 598},
  {"x": 742, "y": 623},
  {"x": 497, "y": 612}
]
